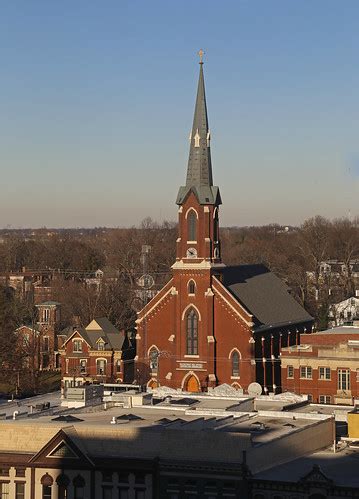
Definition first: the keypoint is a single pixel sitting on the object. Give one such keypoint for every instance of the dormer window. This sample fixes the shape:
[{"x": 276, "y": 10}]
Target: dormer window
[
  {"x": 101, "y": 345},
  {"x": 196, "y": 139}
]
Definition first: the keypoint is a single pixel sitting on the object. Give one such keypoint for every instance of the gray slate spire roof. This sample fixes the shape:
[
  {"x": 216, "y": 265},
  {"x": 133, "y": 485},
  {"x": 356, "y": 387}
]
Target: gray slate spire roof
[{"x": 199, "y": 171}]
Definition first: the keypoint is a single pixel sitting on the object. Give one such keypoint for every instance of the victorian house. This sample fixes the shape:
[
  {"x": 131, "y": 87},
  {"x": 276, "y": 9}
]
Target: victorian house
[
  {"x": 97, "y": 353},
  {"x": 213, "y": 324},
  {"x": 38, "y": 342}
]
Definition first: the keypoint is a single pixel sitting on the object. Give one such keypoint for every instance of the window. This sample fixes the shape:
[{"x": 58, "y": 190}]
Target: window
[
  {"x": 46, "y": 492},
  {"x": 343, "y": 379},
  {"x": 290, "y": 372},
  {"x": 154, "y": 359},
  {"x": 192, "y": 332},
  {"x": 192, "y": 226},
  {"x": 46, "y": 343},
  {"x": 79, "y": 485},
  {"x": 77, "y": 346},
  {"x": 306, "y": 372},
  {"x": 46, "y": 315},
  {"x": 235, "y": 364},
  {"x": 324, "y": 373},
  {"x": 101, "y": 366},
  {"x": 310, "y": 397},
  {"x": 140, "y": 494},
  {"x": 4, "y": 490},
  {"x": 83, "y": 366},
  {"x": 106, "y": 492},
  {"x": 357, "y": 375},
  {"x": 191, "y": 288},
  {"x": 324, "y": 399},
  {"x": 101, "y": 345},
  {"x": 215, "y": 227},
  {"x": 20, "y": 490},
  {"x": 5, "y": 470},
  {"x": 118, "y": 366},
  {"x": 123, "y": 493}
]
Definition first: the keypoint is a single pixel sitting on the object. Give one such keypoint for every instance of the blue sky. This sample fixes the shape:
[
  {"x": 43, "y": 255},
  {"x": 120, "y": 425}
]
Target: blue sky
[{"x": 97, "y": 98}]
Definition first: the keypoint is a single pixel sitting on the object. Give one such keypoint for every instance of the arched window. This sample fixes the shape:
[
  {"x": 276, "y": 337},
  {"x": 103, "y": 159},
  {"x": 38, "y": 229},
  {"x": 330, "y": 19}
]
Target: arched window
[
  {"x": 63, "y": 482},
  {"x": 191, "y": 287},
  {"x": 192, "y": 332},
  {"x": 192, "y": 226},
  {"x": 79, "y": 487},
  {"x": 235, "y": 364},
  {"x": 46, "y": 482},
  {"x": 215, "y": 227},
  {"x": 154, "y": 359}
]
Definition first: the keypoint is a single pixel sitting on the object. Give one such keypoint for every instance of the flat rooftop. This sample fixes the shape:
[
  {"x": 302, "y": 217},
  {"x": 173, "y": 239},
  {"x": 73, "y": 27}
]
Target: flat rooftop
[{"x": 340, "y": 467}]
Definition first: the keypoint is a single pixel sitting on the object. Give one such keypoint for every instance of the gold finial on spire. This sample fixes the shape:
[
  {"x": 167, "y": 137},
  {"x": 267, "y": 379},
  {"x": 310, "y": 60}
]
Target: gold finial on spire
[{"x": 201, "y": 54}]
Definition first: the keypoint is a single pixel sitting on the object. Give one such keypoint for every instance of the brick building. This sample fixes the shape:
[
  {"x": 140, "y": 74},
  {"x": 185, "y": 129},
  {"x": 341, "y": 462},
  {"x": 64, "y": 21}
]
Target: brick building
[
  {"x": 212, "y": 324},
  {"x": 39, "y": 341},
  {"x": 97, "y": 353},
  {"x": 325, "y": 366}
]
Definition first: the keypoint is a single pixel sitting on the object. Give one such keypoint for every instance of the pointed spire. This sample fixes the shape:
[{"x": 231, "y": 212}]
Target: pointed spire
[{"x": 199, "y": 170}]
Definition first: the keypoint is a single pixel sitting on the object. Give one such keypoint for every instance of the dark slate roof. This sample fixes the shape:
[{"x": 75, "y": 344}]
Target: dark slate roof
[
  {"x": 199, "y": 172},
  {"x": 264, "y": 295},
  {"x": 112, "y": 337}
]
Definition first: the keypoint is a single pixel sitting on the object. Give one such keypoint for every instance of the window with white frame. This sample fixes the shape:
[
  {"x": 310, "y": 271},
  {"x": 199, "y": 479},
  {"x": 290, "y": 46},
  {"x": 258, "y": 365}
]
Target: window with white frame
[
  {"x": 324, "y": 373},
  {"x": 290, "y": 372},
  {"x": 101, "y": 345},
  {"x": 77, "y": 346},
  {"x": 235, "y": 364},
  {"x": 101, "y": 366},
  {"x": 306, "y": 372},
  {"x": 343, "y": 379},
  {"x": 46, "y": 315},
  {"x": 83, "y": 366},
  {"x": 4, "y": 490},
  {"x": 325, "y": 399},
  {"x": 154, "y": 354}
]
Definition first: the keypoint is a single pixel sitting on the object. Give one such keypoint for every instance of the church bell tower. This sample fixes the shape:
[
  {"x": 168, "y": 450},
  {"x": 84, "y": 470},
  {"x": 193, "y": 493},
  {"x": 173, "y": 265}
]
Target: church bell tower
[{"x": 199, "y": 200}]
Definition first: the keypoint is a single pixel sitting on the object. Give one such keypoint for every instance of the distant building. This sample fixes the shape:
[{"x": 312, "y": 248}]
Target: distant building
[
  {"x": 325, "y": 366},
  {"x": 334, "y": 280},
  {"x": 344, "y": 312},
  {"x": 39, "y": 341},
  {"x": 96, "y": 353}
]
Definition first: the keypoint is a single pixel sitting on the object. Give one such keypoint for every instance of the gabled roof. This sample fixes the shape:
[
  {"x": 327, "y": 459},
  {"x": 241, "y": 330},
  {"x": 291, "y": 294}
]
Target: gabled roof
[
  {"x": 264, "y": 295},
  {"x": 100, "y": 328}
]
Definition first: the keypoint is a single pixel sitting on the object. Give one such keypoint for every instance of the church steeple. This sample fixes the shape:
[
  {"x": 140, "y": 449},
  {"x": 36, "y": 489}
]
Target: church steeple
[
  {"x": 199, "y": 171},
  {"x": 198, "y": 242}
]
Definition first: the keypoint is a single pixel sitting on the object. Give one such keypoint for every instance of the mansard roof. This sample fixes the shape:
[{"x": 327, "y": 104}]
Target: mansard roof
[{"x": 264, "y": 295}]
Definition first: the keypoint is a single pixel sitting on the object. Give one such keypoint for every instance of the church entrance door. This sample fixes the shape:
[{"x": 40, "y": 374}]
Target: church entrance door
[{"x": 192, "y": 384}]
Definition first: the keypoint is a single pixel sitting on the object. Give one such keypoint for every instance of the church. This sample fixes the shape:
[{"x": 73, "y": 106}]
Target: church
[{"x": 213, "y": 324}]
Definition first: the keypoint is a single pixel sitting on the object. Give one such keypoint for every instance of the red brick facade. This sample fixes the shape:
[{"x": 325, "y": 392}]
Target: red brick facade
[{"x": 325, "y": 366}]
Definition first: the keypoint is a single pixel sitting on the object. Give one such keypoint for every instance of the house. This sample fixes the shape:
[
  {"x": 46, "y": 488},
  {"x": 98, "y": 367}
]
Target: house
[
  {"x": 96, "y": 353},
  {"x": 39, "y": 341},
  {"x": 212, "y": 324},
  {"x": 325, "y": 366},
  {"x": 344, "y": 312}
]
